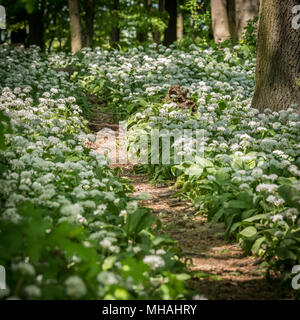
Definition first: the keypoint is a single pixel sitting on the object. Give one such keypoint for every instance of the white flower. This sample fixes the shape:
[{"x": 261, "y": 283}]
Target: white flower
[
  {"x": 270, "y": 188},
  {"x": 154, "y": 261},
  {"x": 123, "y": 213},
  {"x": 278, "y": 234},
  {"x": 132, "y": 206},
  {"x": 277, "y": 217},
  {"x": 72, "y": 209},
  {"x": 199, "y": 297},
  {"x": 100, "y": 209},
  {"x": 11, "y": 215},
  {"x": 75, "y": 287},
  {"x": 271, "y": 199},
  {"x": 24, "y": 268},
  {"x": 33, "y": 291},
  {"x": 106, "y": 243},
  {"x": 107, "y": 278}
]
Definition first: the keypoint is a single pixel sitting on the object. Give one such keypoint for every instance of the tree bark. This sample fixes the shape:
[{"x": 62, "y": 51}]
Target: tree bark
[
  {"x": 142, "y": 34},
  {"x": 18, "y": 37},
  {"x": 220, "y": 21},
  {"x": 157, "y": 34},
  {"x": 180, "y": 26},
  {"x": 232, "y": 18},
  {"x": 171, "y": 31},
  {"x": 245, "y": 10},
  {"x": 89, "y": 22},
  {"x": 277, "y": 84},
  {"x": 36, "y": 27},
  {"x": 75, "y": 27},
  {"x": 115, "y": 32}
]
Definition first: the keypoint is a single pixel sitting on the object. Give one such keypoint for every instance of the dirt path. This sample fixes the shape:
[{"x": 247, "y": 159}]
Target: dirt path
[
  {"x": 221, "y": 269},
  {"x": 224, "y": 271}
]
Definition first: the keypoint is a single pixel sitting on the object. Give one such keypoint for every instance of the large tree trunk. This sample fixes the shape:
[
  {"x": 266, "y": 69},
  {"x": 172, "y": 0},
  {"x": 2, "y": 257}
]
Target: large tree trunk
[
  {"x": 245, "y": 10},
  {"x": 36, "y": 27},
  {"x": 171, "y": 31},
  {"x": 115, "y": 32},
  {"x": 18, "y": 37},
  {"x": 75, "y": 27},
  {"x": 232, "y": 18},
  {"x": 89, "y": 22},
  {"x": 220, "y": 21},
  {"x": 278, "y": 59}
]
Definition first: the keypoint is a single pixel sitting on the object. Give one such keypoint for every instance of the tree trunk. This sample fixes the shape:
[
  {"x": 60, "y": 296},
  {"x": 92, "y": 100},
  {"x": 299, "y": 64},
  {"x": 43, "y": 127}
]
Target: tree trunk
[
  {"x": 36, "y": 27},
  {"x": 171, "y": 31},
  {"x": 18, "y": 37},
  {"x": 148, "y": 4},
  {"x": 179, "y": 34},
  {"x": 232, "y": 18},
  {"x": 75, "y": 28},
  {"x": 157, "y": 34},
  {"x": 89, "y": 22},
  {"x": 277, "y": 84},
  {"x": 115, "y": 32},
  {"x": 142, "y": 34},
  {"x": 220, "y": 21},
  {"x": 244, "y": 10}
]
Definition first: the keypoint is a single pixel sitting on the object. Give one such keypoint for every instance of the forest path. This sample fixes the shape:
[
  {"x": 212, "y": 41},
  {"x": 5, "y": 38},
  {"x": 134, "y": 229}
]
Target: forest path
[{"x": 220, "y": 269}]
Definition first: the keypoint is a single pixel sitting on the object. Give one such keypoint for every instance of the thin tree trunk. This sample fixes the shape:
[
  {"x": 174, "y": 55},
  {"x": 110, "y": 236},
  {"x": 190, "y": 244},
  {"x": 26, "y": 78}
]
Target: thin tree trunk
[
  {"x": 75, "y": 27},
  {"x": 171, "y": 31},
  {"x": 157, "y": 35},
  {"x": 50, "y": 44},
  {"x": 148, "y": 4},
  {"x": 245, "y": 10},
  {"x": 220, "y": 21},
  {"x": 89, "y": 22},
  {"x": 179, "y": 26},
  {"x": 277, "y": 84},
  {"x": 115, "y": 32},
  {"x": 142, "y": 34}
]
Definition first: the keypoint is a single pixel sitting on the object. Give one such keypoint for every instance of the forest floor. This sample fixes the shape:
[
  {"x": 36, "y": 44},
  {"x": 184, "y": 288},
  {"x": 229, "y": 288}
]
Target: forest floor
[{"x": 220, "y": 268}]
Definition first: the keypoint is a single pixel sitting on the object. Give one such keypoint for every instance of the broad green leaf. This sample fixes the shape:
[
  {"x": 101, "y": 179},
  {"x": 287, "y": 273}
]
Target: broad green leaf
[
  {"x": 248, "y": 232},
  {"x": 256, "y": 217},
  {"x": 257, "y": 244}
]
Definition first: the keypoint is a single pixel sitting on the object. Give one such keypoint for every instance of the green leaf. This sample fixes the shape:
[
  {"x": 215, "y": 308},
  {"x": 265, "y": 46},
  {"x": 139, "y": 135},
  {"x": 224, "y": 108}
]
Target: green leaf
[
  {"x": 138, "y": 221},
  {"x": 238, "y": 204},
  {"x": 194, "y": 170},
  {"x": 234, "y": 226},
  {"x": 200, "y": 275},
  {"x": 284, "y": 254},
  {"x": 136, "y": 269},
  {"x": 183, "y": 276},
  {"x": 248, "y": 232},
  {"x": 217, "y": 216},
  {"x": 290, "y": 196},
  {"x": 248, "y": 213},
  {"x": 109, "y": 262},
  {"x": 257, "y": 244},
  {"x": 256, "y": 217}
]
